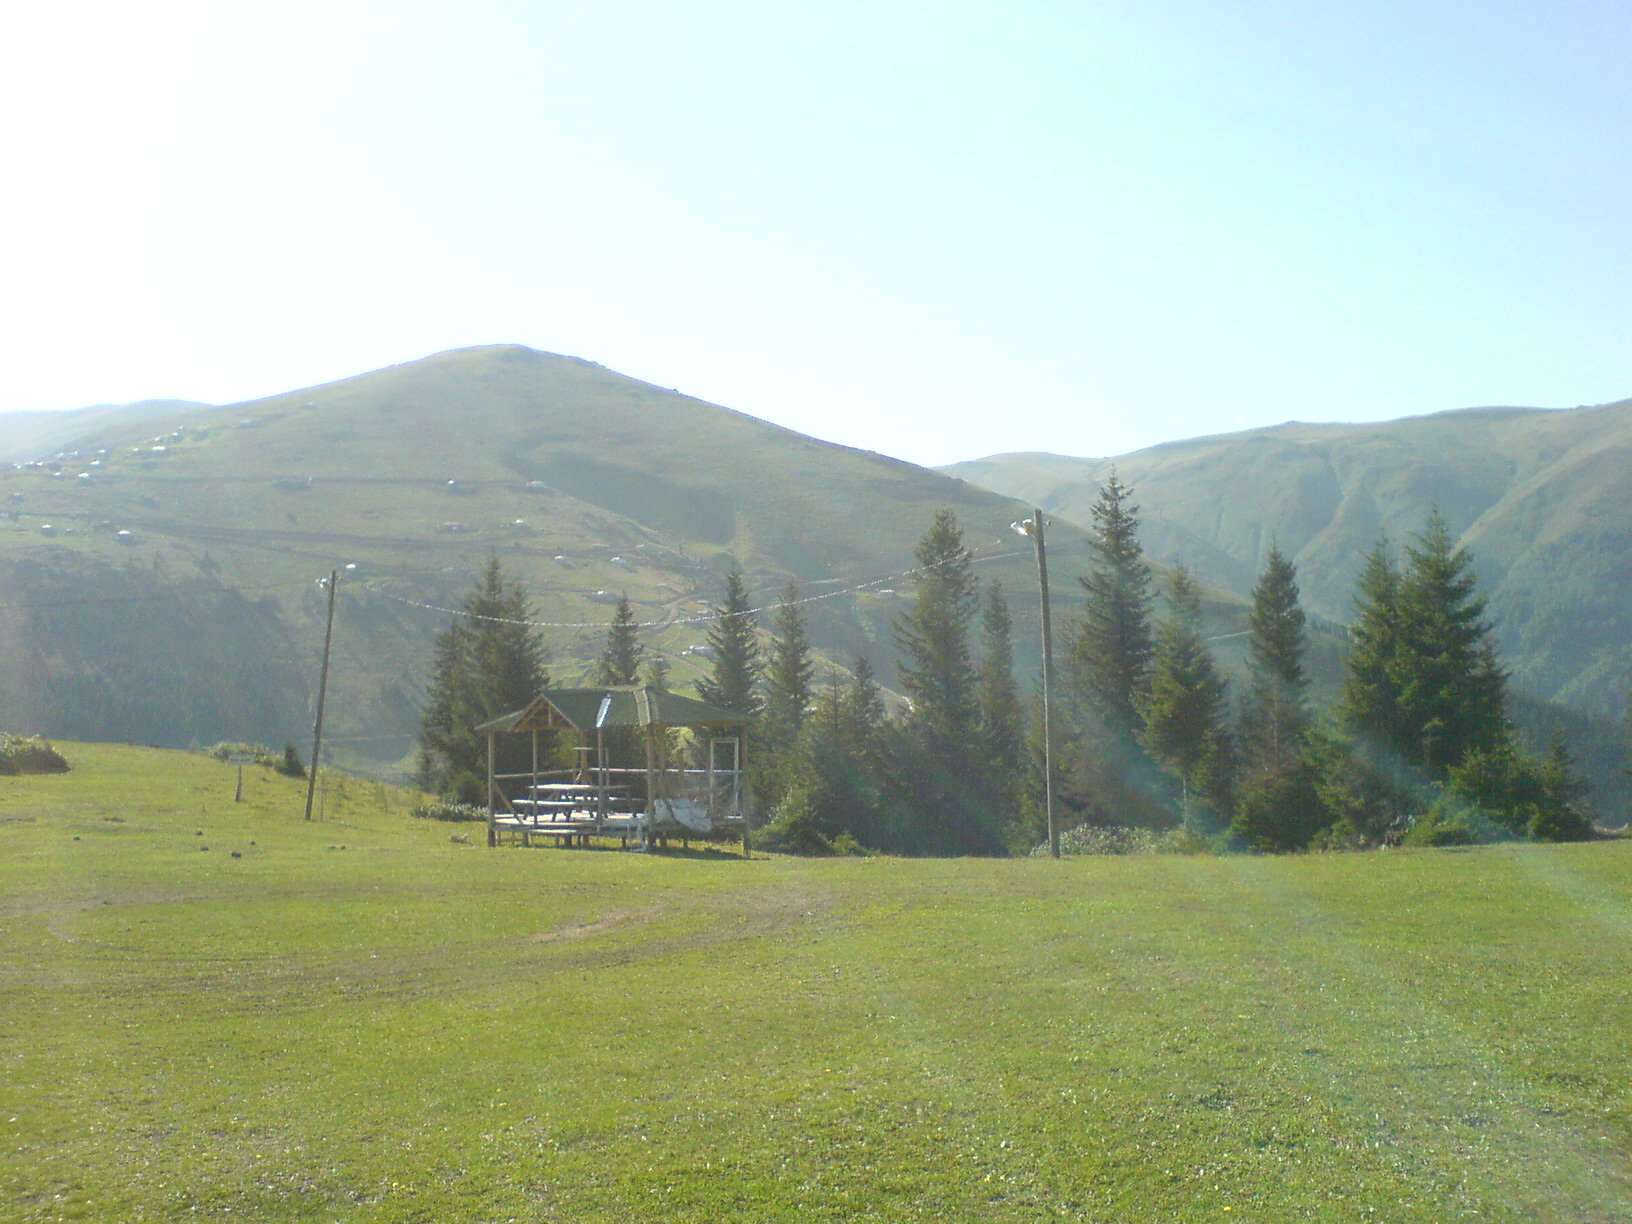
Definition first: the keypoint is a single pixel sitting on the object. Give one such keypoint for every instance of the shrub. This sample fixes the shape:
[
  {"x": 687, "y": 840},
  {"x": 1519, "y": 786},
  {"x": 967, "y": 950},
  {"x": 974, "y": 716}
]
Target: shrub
[
  {"x": 21, "y": 754},
  {"x": 289, "y": 765},
  {"x": 1105, "y": 839}
]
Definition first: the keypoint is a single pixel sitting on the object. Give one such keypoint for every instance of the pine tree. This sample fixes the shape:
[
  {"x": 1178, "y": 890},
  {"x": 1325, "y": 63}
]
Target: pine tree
[
  {"x": 1452, "y": 694},
  {"x": 1276, "y": 709},
  {"x": 1370, "y": 694},
  {"x": 488, "y": 662},
  {"x": 1183, "y": 712},
  {"x": 621, "y": 655},
  {"x": 940, "y": 772},
  {"x": 1278, "y": 804},
  {"x": 997, "y": 698},
  {"x": 1110, "y": 648},
  {"x": 937, "y": 670},
  {"x": 788, "y": 673},
  {"x": 733, "y": 679}
]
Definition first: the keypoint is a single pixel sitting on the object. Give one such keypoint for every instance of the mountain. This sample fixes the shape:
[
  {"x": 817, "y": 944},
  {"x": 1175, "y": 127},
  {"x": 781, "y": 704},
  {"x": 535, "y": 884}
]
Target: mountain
[
  {"x": 26, "y": 436},
  {"x": 158, "y": 575},
  {"x": 1541, "y": 498}
]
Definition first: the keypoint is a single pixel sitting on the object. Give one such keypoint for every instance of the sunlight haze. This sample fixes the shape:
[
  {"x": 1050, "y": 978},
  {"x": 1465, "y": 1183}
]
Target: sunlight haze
[{"x": 935, "y": 231}]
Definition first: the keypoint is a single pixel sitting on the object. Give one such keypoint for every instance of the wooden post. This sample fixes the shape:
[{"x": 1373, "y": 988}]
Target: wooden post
[
  {"x": 744, "y": 798},
  {"x": 1048, "y": 681},
  {"x": 492, "y": 808},
  {"x": 322, "y": 694}
]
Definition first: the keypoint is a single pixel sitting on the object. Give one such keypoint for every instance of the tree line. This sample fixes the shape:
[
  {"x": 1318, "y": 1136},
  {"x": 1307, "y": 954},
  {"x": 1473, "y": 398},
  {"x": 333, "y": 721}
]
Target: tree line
[{"x": 1418, "y": 747}]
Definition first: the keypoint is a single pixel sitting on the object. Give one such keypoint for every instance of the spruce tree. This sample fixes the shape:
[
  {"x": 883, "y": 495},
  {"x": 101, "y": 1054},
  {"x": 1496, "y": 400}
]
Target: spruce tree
[
  {"x": 1276, "y": 709},
  {"x": 940, "y": 772},
  {"x": 863, "y": 711},
  {"x": 788, "y": 673},
  {"x": 489, "y": 661},
  {"x": 1452, "y": 694},
  {"x": 1278, "y": 804},
  {"x": 997, "y": 697},
  {"x": 937, "y": 671},
  {"x": 1109, "y": 649},
  {"x": 1182, "y": 714},
  {"x": 621, "y": 655},
  {"x": 1370, "y": 694},
  {"x": 734, "y": 673}
]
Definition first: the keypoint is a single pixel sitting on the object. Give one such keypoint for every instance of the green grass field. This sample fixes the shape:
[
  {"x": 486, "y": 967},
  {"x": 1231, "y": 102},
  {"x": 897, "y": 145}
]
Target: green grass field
[{"x": 360, "y": 1019}]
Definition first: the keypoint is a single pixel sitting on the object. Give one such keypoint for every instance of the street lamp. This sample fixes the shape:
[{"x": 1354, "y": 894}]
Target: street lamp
[{"x": 1033, "y": 527}]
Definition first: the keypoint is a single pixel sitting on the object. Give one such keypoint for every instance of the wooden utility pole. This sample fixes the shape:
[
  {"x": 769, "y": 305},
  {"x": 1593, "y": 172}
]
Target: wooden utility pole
[
  {"x": 1033, "y": 527},
  {"x": 322, "y": 694}
]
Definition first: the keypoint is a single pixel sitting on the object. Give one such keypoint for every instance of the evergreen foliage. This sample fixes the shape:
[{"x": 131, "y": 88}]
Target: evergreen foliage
[
  {"x": 1370, "y": 694},
  {"x": 1182, "y": 714},
  {"x": 832, "y": 802},
  {"x": 1452, "y": 692},
  {"x": 734, "y": 674},
  {"x": 621, "y": 655},
  {"x": 997, "y": 697},
  {"x": 487, "y": 662},
  {"x": 788, "y": 673},
  {"x": 1277, "y": 802},
  {"x": 939, "y": 770},
  {"x": 1423, "y": 681},
  {"x": 937, "y": 671},
  {"x": 1109, "y": 649},
  {"x": 1276, "y": 714}
]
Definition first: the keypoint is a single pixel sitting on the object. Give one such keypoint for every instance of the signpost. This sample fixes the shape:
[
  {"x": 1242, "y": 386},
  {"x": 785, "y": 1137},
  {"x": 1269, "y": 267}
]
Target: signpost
[{"x": 240, "y": 759}]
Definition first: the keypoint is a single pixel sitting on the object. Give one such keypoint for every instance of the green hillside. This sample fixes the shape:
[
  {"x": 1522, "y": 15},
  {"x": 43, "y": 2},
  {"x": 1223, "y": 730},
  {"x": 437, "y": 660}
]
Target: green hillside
[
  {"x": 1540, "y": 497},
  {"x": 216, "y": 1010},
  {"x": 203, "y": 621}
]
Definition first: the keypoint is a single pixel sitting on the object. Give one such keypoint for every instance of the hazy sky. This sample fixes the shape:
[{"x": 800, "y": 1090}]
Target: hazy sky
[{"x": 936, "y": 230}]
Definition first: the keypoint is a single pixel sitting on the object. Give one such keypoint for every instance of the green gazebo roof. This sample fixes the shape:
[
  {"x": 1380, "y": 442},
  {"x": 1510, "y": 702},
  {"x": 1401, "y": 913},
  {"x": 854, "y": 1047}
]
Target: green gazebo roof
[{"x": 585, "y": 709}]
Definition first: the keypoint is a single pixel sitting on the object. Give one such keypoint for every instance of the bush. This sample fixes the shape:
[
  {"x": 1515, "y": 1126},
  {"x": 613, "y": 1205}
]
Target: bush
[
  {"x": 289, "y": 766},
  {"x": 442, "y": 809},
  {"x": 793, "y": 832},
  {"x": 1105, "y": 839},
  {"x": 1453, "y": 821},
  {"x": 21, "y": 754},
  {"x": 1184, "y": 840}
]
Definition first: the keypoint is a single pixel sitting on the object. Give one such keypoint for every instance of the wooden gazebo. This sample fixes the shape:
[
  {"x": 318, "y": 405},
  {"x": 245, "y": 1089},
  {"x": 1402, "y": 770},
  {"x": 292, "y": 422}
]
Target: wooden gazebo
[{"x": 709, "y": 799}]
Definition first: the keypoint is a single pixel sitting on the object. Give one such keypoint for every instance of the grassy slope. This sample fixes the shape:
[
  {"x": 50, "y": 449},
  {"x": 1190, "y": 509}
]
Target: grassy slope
[
  {"x": 1540, "y": 497},
  {"x": 677, "y": 488},
  {"x": 408, "y": 1029}
]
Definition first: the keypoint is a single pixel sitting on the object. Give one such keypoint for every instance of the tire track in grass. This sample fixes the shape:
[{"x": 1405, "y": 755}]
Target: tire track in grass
[{"x": 1417, "y": 1080}]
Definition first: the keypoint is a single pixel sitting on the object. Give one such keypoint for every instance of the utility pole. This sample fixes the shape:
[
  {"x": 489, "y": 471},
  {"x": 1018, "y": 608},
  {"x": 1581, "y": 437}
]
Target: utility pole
[
  {"x": 322, "y": 694},
  {"x": 1033, "y": 527}
]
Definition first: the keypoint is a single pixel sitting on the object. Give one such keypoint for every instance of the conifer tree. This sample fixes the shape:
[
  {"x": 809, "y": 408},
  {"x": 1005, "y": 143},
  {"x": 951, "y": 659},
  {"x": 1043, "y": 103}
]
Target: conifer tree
[
  {"x": 940, "y": 771},
  {"x": 1278, "y": 804},
  {"x": 997, "y": 697},
  {"x": 1452, "y": 691},
  {"x": 733, "y": 679},
  {"x": 487, "y": 662},
  {"x": 1370, "y": 688},
  {"x": 621, "y": 655},
  {"x": 788, "y": 673},
  {"x": 1110, "y": 648},
  {"x": 1422, "y": 680},
  {"x": 1183, "y": 725},
  {"x": 1276, "y": 709},
  {"x": 937, "y": 670},
  {"x": 863, "y": 708}
]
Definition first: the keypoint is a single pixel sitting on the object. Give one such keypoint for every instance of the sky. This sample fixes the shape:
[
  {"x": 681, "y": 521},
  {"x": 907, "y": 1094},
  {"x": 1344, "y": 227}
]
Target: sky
[{"x": 935, "y": 230}]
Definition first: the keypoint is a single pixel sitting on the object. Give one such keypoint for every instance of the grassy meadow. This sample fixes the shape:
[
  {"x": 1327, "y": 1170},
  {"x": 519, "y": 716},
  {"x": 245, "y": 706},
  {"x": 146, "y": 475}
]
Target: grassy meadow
[{"x": 216, "y": 1010}]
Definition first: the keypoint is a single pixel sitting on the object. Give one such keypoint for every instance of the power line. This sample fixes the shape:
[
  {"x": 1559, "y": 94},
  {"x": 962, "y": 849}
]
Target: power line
[{"x": 703, "y": 617}]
